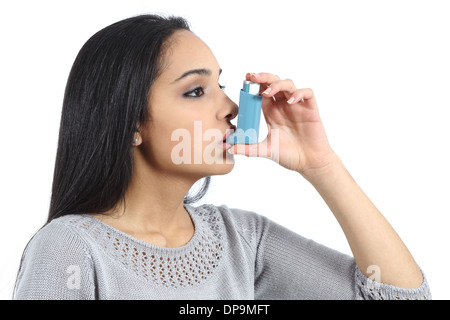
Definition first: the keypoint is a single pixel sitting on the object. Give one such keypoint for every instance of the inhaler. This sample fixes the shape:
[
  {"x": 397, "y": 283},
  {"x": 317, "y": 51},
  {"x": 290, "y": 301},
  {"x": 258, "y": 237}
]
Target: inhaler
[{"x": 249, "y": 115}]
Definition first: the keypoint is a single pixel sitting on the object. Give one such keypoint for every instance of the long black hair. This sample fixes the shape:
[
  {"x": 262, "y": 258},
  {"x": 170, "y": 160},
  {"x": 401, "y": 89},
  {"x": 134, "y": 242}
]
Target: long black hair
[{"x": 105, "y": 102}]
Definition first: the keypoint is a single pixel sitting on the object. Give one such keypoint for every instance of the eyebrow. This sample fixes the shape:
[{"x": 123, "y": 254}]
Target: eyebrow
[{"x": 202, "y": 72}]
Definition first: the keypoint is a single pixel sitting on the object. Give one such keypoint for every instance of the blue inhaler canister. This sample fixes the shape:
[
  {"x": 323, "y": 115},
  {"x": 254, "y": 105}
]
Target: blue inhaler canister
[{"x": 249, "y": 115}]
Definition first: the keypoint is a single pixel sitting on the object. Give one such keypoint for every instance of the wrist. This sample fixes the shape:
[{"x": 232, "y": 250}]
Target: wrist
[{"x": 332, "y": 166}]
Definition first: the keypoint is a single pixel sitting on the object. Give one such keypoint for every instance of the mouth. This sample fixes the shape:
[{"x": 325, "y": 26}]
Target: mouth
[{"x": 229, "y": 131}]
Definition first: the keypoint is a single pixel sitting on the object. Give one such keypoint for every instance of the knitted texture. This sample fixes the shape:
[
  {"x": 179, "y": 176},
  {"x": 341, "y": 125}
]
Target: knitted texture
[{"x": 234, "y": 254}]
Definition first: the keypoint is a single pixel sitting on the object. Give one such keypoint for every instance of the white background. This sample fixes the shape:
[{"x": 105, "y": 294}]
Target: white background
[{"x": 380, "y": 71}]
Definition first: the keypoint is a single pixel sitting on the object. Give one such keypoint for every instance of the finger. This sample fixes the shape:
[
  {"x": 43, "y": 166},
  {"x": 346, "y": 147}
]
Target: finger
[
  {"x": 285, "y": 86},
  {"x": 263, "y": 78},
  {"x": 297, "y": 96},
  {"x": 300, "y": 95},
  {"x": 250, "y": 150}
]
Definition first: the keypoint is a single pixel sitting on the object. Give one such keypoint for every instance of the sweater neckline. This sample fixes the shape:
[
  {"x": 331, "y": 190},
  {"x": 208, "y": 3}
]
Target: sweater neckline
[
  {"x": 185, "y": 266},
  {"x": 150, "y": 246}
]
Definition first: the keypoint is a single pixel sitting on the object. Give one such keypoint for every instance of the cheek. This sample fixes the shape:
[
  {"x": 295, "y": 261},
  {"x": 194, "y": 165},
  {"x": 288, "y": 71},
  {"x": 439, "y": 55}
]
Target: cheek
[
  {"x": 181, "y": 135},
  {"x": 179, "y": 146},
  {"x": 161, "y": 140},
  {"x": 169, "y": 142}
]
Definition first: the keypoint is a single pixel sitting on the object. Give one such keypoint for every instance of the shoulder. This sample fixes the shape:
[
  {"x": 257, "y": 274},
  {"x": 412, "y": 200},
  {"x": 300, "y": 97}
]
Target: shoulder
[
  {"x": 55, "y": 260},
  {"x": 232, "y": 216},
  {"x": 249, "y": 225},
  {"x": 57, "y": 238},
  {"x": 242, "y": 217}
]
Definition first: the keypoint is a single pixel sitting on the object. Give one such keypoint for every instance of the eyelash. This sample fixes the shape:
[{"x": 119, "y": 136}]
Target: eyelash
[{"x": 189, "y": 93}]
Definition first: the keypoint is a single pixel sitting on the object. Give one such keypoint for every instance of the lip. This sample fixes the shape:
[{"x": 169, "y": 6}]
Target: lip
[
  {"x": 226, "y": 145},
  {"x": 229, "y": 131}
]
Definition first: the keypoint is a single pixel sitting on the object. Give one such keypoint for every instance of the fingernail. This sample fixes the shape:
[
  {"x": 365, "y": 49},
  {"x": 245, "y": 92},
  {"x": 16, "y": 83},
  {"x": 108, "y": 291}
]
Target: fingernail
[
  {"x": 267, "y": 90},
  {"x": 256, "y": 75},
  {"x": 291, "y": 100},
  {"x": 230, "y": 151}
]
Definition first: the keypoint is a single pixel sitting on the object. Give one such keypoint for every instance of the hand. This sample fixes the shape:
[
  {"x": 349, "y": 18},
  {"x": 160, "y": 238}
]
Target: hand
[{"x": 302, "y": 143}]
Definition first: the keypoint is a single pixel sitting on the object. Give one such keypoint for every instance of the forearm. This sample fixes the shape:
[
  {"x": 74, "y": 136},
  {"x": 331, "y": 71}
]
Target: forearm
[{"x": 371, "y": 238}]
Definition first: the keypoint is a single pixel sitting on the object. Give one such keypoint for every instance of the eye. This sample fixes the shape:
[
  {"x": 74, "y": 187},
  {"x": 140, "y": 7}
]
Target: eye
[
  {"x": 222, "y": 87},
  {"x": 197, "y": 92}
]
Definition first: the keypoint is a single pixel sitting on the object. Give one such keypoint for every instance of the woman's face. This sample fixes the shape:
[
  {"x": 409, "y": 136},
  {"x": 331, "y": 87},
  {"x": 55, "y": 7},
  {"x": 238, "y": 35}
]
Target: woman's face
[{"x": 189, "y": 112}]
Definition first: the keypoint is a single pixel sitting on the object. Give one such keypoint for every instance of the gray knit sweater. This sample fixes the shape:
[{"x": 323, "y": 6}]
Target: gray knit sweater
[{"x": 234, "y": 254}]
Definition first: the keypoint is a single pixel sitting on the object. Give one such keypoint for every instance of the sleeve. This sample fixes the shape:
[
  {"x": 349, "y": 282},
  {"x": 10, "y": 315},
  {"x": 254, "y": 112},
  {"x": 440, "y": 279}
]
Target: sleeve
[
  {"x": 56, "y": 265},
  {"x": 289, "y": 266}
]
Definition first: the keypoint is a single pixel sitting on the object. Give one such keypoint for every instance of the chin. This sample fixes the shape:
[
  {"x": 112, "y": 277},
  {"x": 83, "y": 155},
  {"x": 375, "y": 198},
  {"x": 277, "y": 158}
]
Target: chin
[
  {"x": 221, "y": 165},
  {"x": 221, "y": 169},
  {"x": 216, "y": 169},
  {"x": 226, "y": 163}
]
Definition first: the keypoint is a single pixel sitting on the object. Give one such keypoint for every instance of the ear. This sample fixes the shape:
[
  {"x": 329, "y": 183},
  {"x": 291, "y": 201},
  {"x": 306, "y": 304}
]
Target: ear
[{"x": 137, "y": 139}]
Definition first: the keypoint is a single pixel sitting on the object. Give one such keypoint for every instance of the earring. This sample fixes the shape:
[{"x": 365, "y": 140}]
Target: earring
[{"x": 136, "y": 140}]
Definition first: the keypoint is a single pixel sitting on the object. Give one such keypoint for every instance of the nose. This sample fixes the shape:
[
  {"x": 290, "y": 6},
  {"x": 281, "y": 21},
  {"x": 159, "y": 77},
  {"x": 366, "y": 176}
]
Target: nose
[{"x": 229, "y": 111}]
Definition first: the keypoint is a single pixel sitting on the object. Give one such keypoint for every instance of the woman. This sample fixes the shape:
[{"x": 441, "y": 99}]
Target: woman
[{"x": 121, "y": 225}]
